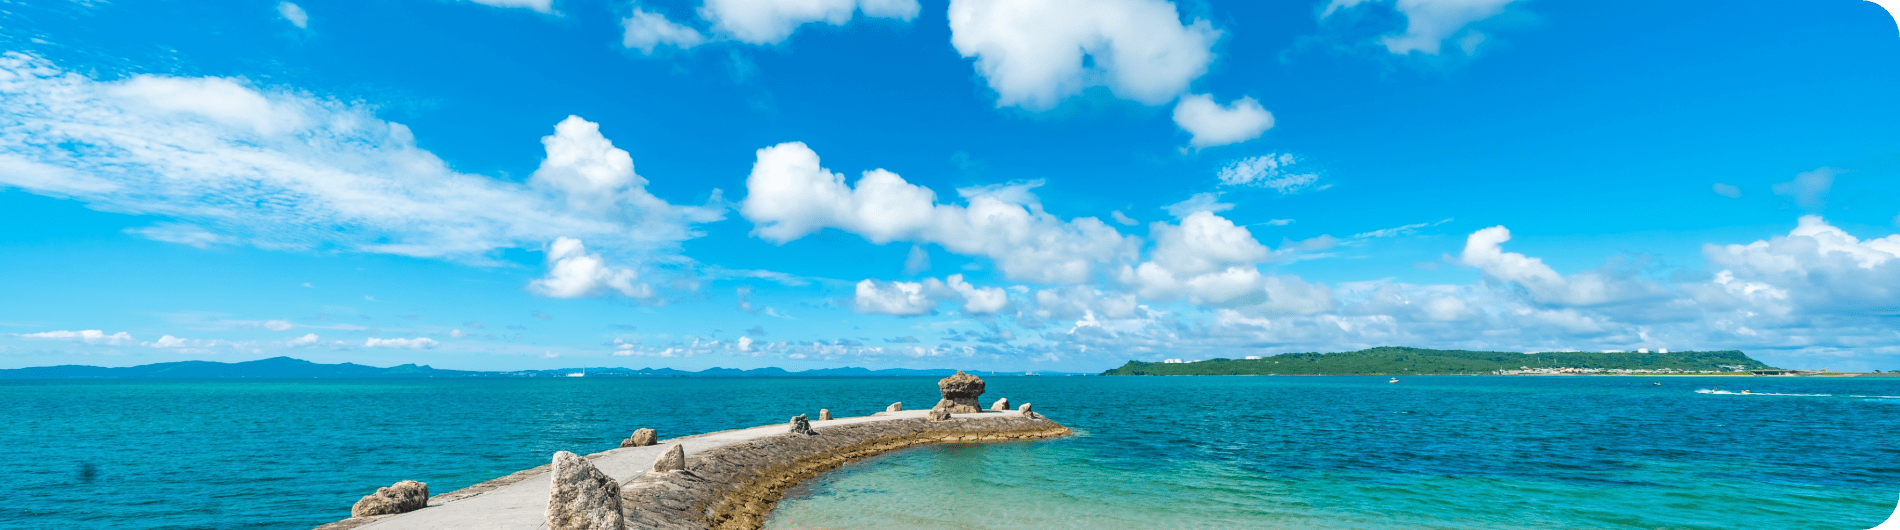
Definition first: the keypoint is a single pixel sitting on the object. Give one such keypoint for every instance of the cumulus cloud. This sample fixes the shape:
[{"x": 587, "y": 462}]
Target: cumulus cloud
[
  {"x": 544, "y": 6},
  {"x": 408, "y": 344},
  {"x": 789, "y": 195},
  {"x": 294, "y": 14},
  {"x": 1429, "y": 23},
  {"x": 1213, "y": 124},
  {"x": 90, "y": 336},
  {"x": 1205, "y": 257},
  {"x": 307, "y": 340},
  {"x": 1483, "y": 251},
  {"x": 1271, "y": 171},
  {"x": 280, "y": 169},
  {"x": 575, "y": 273},
  {"x": 921, "y": 298},
  {"x": 1035, "y": 53},
  {"x": 1809, "y": 189},
  {"x": 1817, "y": 266},
  {"x": 773, "y": 21},
  {"x": 647, "y": 31}
]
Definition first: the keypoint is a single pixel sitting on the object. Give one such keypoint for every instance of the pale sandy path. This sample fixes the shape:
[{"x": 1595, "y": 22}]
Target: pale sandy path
[{"x": 521, "y": 505}]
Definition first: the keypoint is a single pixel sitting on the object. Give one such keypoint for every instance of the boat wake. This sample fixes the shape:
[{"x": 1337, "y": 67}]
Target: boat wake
[{"x": 1747, "y": 393}]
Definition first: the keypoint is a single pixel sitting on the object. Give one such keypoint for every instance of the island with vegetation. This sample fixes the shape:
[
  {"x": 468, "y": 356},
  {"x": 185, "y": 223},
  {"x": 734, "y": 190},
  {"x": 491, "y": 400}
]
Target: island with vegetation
[{"x": 1393, "y": 360}]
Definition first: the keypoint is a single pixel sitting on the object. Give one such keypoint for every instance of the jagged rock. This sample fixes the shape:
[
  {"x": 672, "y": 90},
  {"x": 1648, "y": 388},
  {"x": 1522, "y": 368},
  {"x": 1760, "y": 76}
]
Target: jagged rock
[
  {"x": 403, "y": 497},
  {"x": 824, "y": 414},
  {"x": 581, "y": 497},
  {"x": 961, "y": 390},
  {"x": 673, "y": 460},
  {"x": 801, "y": 425},
  {"x": 1031, "y": 415},
  {"x": 1023, "y": 409},
  {"x": 1001, "y": 405},
  {"x": 939, "y": 414},
  {"x": 895, "y": 407},
  {"x": 641, "y": 438}
]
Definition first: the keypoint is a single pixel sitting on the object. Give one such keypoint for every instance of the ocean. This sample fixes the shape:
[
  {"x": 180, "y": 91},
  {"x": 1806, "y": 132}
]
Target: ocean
[{"x": 1149, "y": 452}]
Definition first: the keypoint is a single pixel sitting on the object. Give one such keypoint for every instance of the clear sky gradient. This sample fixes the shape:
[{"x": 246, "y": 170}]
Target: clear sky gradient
[{"x": 1055, "y": 185}]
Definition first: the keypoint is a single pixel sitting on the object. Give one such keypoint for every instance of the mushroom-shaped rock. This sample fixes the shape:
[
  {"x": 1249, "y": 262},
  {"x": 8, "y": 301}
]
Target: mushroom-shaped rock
[
  {"x": 962, "y": 390},
  {"x": 895, "y": 407},
  {"x": 403, "y": 497},
  {"x": 581, "y": 497},
  {"x": 1001, "y": 405},
  {"x": 1023, "y": 409},
  {"x": 674, "y": 459},
  {"x": 801, "y": 425},
  {"x": 824, "y": 414},
  {"x": 641, "y": 438},
  {"x": 939, "y": 414}
]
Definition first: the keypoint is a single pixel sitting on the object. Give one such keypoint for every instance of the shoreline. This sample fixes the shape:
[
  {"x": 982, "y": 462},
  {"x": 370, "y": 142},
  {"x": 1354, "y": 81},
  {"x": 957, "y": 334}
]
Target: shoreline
[{"x": 733, "y": 478}]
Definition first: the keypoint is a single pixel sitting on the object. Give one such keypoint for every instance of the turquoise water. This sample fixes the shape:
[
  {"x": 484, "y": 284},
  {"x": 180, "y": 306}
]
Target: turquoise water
[{"x": 1243, "y": 452}]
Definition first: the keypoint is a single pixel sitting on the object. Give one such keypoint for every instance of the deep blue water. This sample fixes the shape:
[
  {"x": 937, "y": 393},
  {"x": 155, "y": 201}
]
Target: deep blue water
[{"x": 1207, "y": 452}]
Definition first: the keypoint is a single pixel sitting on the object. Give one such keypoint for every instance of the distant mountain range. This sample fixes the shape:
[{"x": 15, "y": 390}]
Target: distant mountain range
[{"x": 289, "y": 368}]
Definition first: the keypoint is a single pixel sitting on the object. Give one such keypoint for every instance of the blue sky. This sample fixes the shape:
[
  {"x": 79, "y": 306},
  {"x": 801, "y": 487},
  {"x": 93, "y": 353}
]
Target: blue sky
[{"x": 1028, "y": 185}]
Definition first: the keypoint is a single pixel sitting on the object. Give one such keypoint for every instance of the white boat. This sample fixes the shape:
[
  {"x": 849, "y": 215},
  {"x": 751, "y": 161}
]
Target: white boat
[
  {"x": 1893, "y": 521},
  {"x": 582, "y": 373},
  {"x": 1394, "y": 380}
]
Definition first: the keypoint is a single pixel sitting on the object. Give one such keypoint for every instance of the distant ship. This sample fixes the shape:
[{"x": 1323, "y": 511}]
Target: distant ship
[
  {"x": 1394, "y": 380},
  {"x": 582, "y": 373},
  {"x": 1029, "y": 374}
]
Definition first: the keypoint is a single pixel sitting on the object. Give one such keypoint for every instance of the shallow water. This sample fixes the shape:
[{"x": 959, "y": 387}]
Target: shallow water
[
  {"x": 1213, "y": 452},
  {"x": 1429, "y": 452}
]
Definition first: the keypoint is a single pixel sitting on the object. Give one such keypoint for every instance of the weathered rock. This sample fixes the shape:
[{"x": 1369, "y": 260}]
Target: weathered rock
[
  {"x": 895, "y": 407},
  {"x": 1023, "y": 409},
  {"x": 939, "y": 414},
  {"x": 641, "y": 438},
  {"x": 1031, "y": 415},
  {"x": 962, "y": 389},
  {"x": 1001, "y": 405},
  {"x": 581, "y": 497},
  {"x": 824, "y": 414},
  {"x": 674, "y": 459},
  {"x": 801, "y": 425},
  {"x": 403, "y": 497}
]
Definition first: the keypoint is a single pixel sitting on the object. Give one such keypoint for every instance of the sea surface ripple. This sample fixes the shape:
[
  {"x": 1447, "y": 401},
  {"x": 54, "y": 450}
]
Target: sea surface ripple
[{"x": 1151, "y": 452}]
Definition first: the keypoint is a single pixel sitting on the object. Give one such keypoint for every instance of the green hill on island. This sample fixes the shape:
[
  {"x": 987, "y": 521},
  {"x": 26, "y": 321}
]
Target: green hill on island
[{"x": 1393, "y": 360}]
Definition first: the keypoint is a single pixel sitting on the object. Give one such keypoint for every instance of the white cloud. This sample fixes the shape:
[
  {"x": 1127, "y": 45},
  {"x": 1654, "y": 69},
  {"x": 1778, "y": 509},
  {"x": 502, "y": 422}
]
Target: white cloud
[
  {"x": 918, "y": 261},
  {"x": 789, "y": 195},
  {"x": 1543, "y": 284},
  {"x": 977, "y": 300},
  {"x": 1035, "y": 53},
  {"x": 278, "y": 325},
  {"x": 1818, "y": 266},
  {"x": 411, "y": 344},
  {"x": 745, "y": 343},
  {"x": 90, "y": 336},
  {"x": 1727, "y": 190},
  {"x": 1397, "y": 230},
  {"x": 294, "y": 14},
  {"x": 1123, "y": 218},
  {"x": 1271, "y": 171},
  {"x": 1214, "y": 124},
  {"x": 773, "y": 21},
  {"x": 896, "y": 298},
  {"x": 1205, "y": 257},
  {"x": 307, "y": 340},
  {"x": 1429, "y": 23},
  {"x": 544, "y": 6},
  {"x": 647, "y": 31},
  {"x": 280, "y": 169},
  {"x": 1199, "y": 202},
  {"x": 575, "y": 273},
  {"x": 1809, "y": 189},
  {"x": 181, "y": 233}
]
